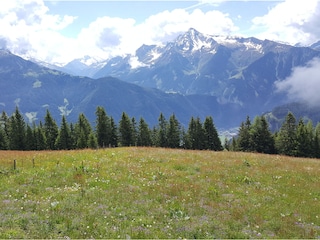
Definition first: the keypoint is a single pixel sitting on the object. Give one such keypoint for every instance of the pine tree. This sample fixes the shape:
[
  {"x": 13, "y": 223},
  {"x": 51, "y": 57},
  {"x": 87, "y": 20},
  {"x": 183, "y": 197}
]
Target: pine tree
[
  {"x": 196, "y": 134},
  {"x": 244, "y": 141},
  {"x": 73, "y": 136},
  {"x": 3, "y": 139},
  {"x": 261, "y": 137},
  {"x": 64, "y": 137},
  {"x": 17, "y": 132},
  {"x": 173, "y": 132},
  {"x": 113, "y": 133},
  {"x": 162, "y": 131},
  {"x": 144, "y": 135},
  {"x": 286, "y": 141},
  {"x": 304, "y": 140},
  {"x": 92, "y": 141},
  {"x": 31, "y": 143},
  {"x": 50, "y": 130},
  {"x": 125, "y": 130},
  {"x": 212, "y": 140},
  {"x": 316, "y": 141},
  {"x": 40, "y": 138},
  {"x": 82, "y": 131},
  {"x": 103, "y": 128},
  {"x": 134, "y": 132}
]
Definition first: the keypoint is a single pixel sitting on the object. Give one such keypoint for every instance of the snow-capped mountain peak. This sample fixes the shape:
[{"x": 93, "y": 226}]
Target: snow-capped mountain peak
[{"x": 193, "y": 40}]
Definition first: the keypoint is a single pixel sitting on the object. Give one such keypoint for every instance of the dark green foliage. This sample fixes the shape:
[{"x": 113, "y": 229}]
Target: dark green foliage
[
  {"x": 293, "y": 139},
  {"x": 134, "y": 132},
  {"x": 82, "y": 132},
  {"x": 244, "y": 141},
  {"x": 212, "y": 140},
  {"x": 162, "y": 132},
  {"x": 106, "y": 129},
  {"x": 173, "y": 132},
  {"x": 17, "y": 131},
  {"x": 51, "y": 130},
  {"x": 64, "y": 140},
  {"x": 286, "y": 141},
  {"x": 304, "y": 140},
  {"x": 31, "y": 139},
  {"x": 261, "y": 138},
  {"x": 92, "y": 141},
  {"x": 102, "y": 127},
  {"x": 40, "y": 138},
  {"x": 196, "y": 134},
  {"x": 144, "y": 134},
  {"x": 125, "y": 130},
  {"x": 3, "y": 139},
  {"x": 113, "y": 133}
]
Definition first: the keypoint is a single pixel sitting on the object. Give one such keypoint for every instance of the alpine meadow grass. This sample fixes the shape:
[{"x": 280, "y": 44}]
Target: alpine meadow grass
[{"x": 158, "y": 193}]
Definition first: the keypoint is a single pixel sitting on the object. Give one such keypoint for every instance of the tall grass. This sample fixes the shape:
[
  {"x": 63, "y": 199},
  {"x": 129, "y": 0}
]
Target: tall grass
[{"x": 158, "y": 193}]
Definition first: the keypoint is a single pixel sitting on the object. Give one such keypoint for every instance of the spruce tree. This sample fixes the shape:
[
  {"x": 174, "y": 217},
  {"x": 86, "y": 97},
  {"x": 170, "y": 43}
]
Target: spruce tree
[
  {"x": 82, "y": 131},
  {"x": 244, "y": 141},
  {"x": 134, "y": 132},
  {"x": 125, "y": 130},
  {"x": 113, "y": 133},
  {"x": 212, "y": 140},
  {"x": 144, "y": 135},
  {"x": 261, "y": 137},
  {"x": 103, "y": 127},
  {"x": 50, "y": 130},
  {"x": 316, "y": 141},
  {"x": 31, "y": 143},
  {"x": 17, "y": 132},
  {"x": 3, "y": 139},
  {"x": 286, "y": 141},
  {"x": 173, "y": 132},
  {"x": 304, "y": 140},
  {"x": 92, "y": 141},
  {"x": 162, "y": 131},
  {"x": 40, "y": 138},
  {"x": 196, "y": 134},
  {"x": 64, "y": 137}
]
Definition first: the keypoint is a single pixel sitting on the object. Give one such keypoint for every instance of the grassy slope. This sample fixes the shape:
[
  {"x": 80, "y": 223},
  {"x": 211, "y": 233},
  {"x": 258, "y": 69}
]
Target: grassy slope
[{"x": 158, "y": 193}]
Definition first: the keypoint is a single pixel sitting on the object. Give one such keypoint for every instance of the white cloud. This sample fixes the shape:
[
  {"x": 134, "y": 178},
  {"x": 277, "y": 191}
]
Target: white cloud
[
  {"x": 290, "y": 21},
  {"x": 29, "y": 30},
  {"x": 303, "y": 84}
]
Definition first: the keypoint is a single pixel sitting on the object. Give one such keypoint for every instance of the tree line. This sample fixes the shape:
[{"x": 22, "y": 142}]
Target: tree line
[
  {"x": 294, "y": 138},
  {"x": 16, "y": 134}
]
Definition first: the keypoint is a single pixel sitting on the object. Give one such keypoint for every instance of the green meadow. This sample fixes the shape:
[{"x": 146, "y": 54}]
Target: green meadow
[{"x": 157, "y": 193}]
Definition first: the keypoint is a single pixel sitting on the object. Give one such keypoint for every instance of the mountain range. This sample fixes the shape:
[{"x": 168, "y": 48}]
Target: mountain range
[{"x": 194, "y": 75}]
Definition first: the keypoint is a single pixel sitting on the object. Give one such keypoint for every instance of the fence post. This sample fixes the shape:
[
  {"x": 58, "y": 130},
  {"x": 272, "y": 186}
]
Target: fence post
[
  {"x": 33, "y": 162},
  {"x": 14, "y": 164}
]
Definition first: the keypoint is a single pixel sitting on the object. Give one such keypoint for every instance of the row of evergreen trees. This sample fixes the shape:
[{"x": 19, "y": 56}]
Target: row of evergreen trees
[
  {"x": 16, "y": 134},
  {"x": 294, "y": 138}
]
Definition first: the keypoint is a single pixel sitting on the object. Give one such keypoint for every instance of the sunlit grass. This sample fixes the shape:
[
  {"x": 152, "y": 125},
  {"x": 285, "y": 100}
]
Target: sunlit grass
[{"x": 158, "y": 193}]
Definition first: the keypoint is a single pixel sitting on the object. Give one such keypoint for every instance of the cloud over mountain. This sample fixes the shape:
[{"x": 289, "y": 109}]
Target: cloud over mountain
[
  {"x": 31, "y": 30},
  {"x": 303, "y": 84},
  {"x": 290, "y": 21}
]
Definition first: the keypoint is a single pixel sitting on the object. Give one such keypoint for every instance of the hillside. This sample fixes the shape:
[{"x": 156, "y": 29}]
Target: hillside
[
  {"x": 157, "y": 193},
  {"x": 34, "y": 89}
]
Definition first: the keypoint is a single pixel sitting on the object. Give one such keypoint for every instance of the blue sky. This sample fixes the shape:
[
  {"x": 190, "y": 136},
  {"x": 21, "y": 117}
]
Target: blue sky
[
  {"x": 242, "y": 12},
  {"x": 60, "y": 31}
]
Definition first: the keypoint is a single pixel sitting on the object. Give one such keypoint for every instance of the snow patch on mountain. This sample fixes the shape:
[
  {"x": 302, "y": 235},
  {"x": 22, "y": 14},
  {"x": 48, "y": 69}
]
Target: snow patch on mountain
[
  {"x": 64, "y": 111},
  {"x": 135, "y": 63}
]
